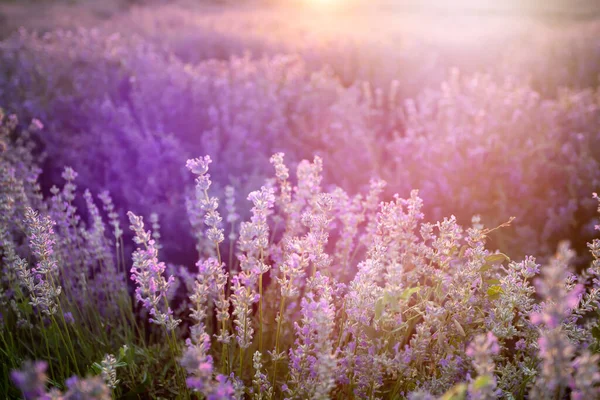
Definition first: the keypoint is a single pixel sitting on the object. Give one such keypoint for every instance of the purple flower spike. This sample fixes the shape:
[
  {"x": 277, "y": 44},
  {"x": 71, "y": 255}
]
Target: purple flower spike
[{"x": 31, "y": 379}]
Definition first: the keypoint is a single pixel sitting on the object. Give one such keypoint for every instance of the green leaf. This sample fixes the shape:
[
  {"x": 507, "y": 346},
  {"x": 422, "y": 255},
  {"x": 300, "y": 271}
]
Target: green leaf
[
  {"x": 399, "y": 328},
  {"x": 458, "y": 392},
  {"x": 485, "y": 267},
  {"x": 459, "y": 327},
  {"x": 497, "y": 258},
  {"x": 96, "y": 367},
  {"x": 439, "y": 292},
  {"x": 379, "y": 307},
  {"x": 123, "y": 352},
  {"x": 494, "y": 292},
  {"x": 55, "y": 384},
  {"x": 409, "y": 292},
  {"x": 596, "y": 332},
  {"x": 389, "y": 298},
  {"x": 482, "y": 381},
  {"x": 492, "y": 260}
]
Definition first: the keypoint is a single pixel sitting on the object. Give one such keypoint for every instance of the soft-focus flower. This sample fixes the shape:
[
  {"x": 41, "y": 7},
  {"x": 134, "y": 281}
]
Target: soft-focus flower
[
  {"x": 31, "y": 379},
  {"x": 87, "y": 389},
  {"x": 36, "y": 125}
]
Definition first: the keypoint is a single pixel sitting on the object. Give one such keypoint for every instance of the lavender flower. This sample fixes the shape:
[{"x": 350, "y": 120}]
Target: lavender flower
[
  {"x": 90, "y": 388},
  {"x": 556, "y": 353},
  {"x": 481, "y": 351},
  {"x": 36, "y": 125},
  {"x": 242, "y": 299},
  {"x": 31, "y": 379},
  {"x": 42, "y": 280},
  {"x": 109, "y": 371},
  {"x": 148, "y": 272},
  {"x": 199, "y": 365},
  {"x": 587, "y": 377},
  {"x": 212, "y": 218},
  {"x": 113, "y": 217},
  {"x": 68, "y": 316},
  {"x": 262, "y": 389},
  {"x": 232, "y": 216},
  {"x": 555, "y": 349},
  {"x": 559, "y": 301},
  {"x": 254, "y": 235},
  {"x": 155, "y": 230},
  {"x": 313, "y": 363}
]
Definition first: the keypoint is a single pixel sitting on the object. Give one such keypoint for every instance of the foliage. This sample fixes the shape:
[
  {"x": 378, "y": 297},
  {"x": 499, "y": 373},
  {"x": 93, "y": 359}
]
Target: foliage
[
  {"x": 135, "y": 102},
  {"x": 328, "y": 295},
  {"x": 272, "y": 279}
]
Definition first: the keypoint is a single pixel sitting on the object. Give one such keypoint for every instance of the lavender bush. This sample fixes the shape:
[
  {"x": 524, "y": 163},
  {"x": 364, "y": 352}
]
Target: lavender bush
[
  {"x": 326, "y": 295},
  {"x": 129, "y": 104},
  {"x": 441, "y": 244}
]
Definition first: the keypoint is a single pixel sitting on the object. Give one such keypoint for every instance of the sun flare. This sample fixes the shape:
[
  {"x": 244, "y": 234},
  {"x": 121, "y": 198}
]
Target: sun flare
[{"x": 324, "y": 3}]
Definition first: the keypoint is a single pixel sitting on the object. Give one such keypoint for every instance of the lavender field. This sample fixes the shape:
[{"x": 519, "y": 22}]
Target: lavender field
[{"x": 317, "y": 199}]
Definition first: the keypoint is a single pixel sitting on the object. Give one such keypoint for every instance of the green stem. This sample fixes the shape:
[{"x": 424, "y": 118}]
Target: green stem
[
  {"x": 260, "y": 304},
  {"x": 180, "y": 375},
  {"x": 224, "y": 363},
  {"x": 281, "y": 305},
  {"x": 260, "y": 313},
  {"x": 67, "y": 342},
  {"x": 50, "y": 363},
  {"x": 241, "y": 362},
  {"x": 242, "y": 350},
  {"x": 121, "y": 246}
]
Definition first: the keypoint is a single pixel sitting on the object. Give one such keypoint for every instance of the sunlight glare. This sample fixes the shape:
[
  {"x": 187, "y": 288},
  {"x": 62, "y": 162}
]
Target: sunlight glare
[{"x": 324, "y": 3}]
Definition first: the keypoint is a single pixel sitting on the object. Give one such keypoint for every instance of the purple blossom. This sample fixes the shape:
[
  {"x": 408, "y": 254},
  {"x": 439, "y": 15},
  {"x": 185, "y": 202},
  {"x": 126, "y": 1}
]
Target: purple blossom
[
  {"x": 69, "y": 317},
  {"x": 31, "y": 379},
  {"x": 147, "y": 272},
  {"x": 90, "y": 388}
]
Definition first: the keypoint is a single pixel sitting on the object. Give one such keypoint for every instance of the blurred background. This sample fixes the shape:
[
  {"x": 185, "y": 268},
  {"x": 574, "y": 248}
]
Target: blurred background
[{"x": 487, "y": 107}]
